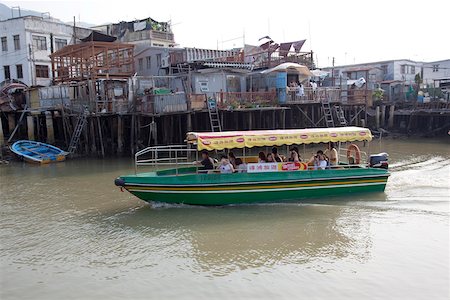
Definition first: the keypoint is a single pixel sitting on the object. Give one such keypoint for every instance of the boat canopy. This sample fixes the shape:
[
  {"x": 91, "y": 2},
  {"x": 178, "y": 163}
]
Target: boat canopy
[{"x": 262, "y": 138}]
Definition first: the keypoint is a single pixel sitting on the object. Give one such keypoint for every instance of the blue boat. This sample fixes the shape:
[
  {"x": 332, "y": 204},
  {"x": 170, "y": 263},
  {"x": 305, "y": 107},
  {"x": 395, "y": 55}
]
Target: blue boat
[{"x": 38, "y": 152}]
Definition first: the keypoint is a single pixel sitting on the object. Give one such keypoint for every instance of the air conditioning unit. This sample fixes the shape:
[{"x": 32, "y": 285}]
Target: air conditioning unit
[{"x": 165, "y": 62}]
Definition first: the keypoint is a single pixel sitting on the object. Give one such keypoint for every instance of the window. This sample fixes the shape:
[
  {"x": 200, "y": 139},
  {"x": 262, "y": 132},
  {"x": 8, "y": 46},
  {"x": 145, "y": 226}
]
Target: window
[
  {"x": 42, "y": 71},
  {"x": 413, "y": 69},
  {"x": 7, "y": 72},
  {"x": 60, "y": 43},
  {"x": 384, "y": 69},
  {"x": 435, "y": 68},
  {"x": 39, "y": 42},
  {"x": 19, "y": 71},
  {"x": 149, "y": 62},
  {"x": 158, "y": 60},
  {"x": 16, "y": 42},
  {"x": 402, "y": 69},
  {"x": 4, "y": 44},
  {"x": 141, "y": 64}
]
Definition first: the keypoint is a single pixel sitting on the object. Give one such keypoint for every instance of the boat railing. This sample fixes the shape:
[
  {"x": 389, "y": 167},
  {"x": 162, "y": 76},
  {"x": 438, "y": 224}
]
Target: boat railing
[{"x": 165, "y": 156}]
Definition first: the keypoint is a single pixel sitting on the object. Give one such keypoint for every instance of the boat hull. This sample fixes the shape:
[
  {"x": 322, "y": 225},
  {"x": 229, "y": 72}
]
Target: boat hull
[
  {"x": 37, "y": 152},
  {"x": 226, "y": 189}
]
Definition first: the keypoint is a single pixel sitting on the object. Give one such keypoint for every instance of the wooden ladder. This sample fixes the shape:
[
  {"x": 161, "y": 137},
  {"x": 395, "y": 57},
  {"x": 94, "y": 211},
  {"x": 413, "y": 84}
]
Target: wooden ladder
[
  {"x": 327, "y": 112},
  {"x": 213, "y": 115},
  {"x": 340, "y": 115},
  {"x": 81, "y": 122}
]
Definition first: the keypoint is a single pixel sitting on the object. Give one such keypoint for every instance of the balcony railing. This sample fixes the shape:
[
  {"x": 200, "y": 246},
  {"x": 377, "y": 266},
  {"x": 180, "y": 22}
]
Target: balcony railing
[
  {"x": 162, "y": 104},
  {"x": 246, "y": 99},
  {"x": 311, "y": 95}
]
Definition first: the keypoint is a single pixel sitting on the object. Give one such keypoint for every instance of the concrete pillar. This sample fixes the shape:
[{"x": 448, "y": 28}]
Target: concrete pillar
[
  {"x": 383, "y": 115},
  {"x": 391, "y": 116},
  {"x": 30, "y": 128},
  {"x": 11, "y": 122},
  {"x": 119, "y": 134},
  {"x": 2, "y": 136},
  {"x": 377, "y": 117},
  {"x": 250, "y": 125},
  {"x": 363, "y": 123},
  {"x": 50, "y": 129}
]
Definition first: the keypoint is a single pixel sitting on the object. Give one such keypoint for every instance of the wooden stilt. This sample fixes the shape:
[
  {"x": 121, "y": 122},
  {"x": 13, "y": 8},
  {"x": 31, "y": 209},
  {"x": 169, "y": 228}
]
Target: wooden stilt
[
  {"x": 391, "y": 116},
  {"x": 30, "y": 127},
  {"x": 11, "y": 122},
  {"x": 100, "y": 136},
  {"x": 2, "y": 135},
  {"x": 120, "y": 134},
  {"x": 93, "y": 140},
  {"x": 50, "y": 129}
]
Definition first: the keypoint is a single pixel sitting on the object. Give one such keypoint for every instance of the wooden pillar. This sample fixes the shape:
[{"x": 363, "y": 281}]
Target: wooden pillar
[
  {"x": 283, "y": 118},
  {"x": 30, "y": 128},
  {"x": 189, "y": 122},
  {"x": 119, "y": 134},
  {"x": 250, "y": 125},
  {"x": 377, "y": 117},
  {"x": 391, "y": 116},
  {"x": 93, "y": 140},
  {"x": 50, "y": 129},
  {"x": 2, "y": 136},
  {"x": 11, "y": 122},
  {"x": 383, "y": 115}
]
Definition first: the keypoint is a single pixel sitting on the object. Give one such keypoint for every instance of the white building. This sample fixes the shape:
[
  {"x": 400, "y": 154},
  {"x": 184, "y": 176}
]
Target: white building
[
  {"x": 436, "y": 71},
  {"x": 27, "y": 42}
]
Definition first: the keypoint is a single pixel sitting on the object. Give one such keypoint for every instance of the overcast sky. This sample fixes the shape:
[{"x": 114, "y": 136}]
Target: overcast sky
[{"x": 351, "y": 31}]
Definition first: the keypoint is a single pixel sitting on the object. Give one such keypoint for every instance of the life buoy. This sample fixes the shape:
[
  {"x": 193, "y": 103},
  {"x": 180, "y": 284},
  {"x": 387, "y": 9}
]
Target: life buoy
[
  {"x": 357, "y": 156},
  {"x": 303, "y": 166}
]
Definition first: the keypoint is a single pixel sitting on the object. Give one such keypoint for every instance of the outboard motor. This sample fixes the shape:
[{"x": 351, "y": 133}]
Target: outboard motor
[{"x": 379, "y": 160}]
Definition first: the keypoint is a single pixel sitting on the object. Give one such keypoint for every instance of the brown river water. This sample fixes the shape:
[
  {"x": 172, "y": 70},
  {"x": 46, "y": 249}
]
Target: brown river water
[{"x": 66, "y": 232}]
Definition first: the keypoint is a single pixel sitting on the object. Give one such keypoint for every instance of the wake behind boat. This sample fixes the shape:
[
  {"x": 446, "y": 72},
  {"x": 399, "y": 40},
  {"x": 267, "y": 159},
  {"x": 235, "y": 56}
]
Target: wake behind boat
[
  {"x": 260, "y": 182},
  {"x": 38, "y": 152}
]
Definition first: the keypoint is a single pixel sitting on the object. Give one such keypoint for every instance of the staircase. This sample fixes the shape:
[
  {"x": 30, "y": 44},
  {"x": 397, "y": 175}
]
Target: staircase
[
  {"x": 327, "y": 112},
  {"x": 81, "y": 122},
  {"x": 214, "y": 115},
  {"x": 340, "y": 115}
]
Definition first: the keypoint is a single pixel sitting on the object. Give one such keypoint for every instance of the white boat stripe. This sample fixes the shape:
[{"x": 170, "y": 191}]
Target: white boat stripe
[{"x": 256, "y": 190}]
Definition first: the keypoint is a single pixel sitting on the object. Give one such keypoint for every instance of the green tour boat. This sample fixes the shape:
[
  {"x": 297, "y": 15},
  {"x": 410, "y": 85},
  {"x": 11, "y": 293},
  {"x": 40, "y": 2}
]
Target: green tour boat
[{"x": 257, "y": 182}]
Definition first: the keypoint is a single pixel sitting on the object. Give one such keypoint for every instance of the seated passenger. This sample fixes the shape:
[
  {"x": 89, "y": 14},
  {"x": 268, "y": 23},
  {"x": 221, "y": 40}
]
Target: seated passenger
[
  {"x": 232, "y": 159},
  {"x": 206, "y": 162},
  {"x": 320, "y": 161},
  {"x": 225, "y": 165},
  {"x": 331, "y": 152},
  {"x": 276, "y": 156},
  {"x": 262, "y": 157},
  {"x": 270, "y": 158},
  {"x": 241, "y": 167},
  {"x": 294, "y": 157}
]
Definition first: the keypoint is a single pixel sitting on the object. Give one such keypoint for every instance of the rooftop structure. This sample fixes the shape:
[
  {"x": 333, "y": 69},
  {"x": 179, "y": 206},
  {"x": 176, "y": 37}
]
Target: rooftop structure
[{"x": 144, "y": 31}]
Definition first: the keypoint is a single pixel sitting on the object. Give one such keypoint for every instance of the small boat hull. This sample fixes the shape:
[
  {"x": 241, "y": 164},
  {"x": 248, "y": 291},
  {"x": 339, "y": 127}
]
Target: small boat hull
[
  {"x": 37, "y": 152},
  {"x": 226, "y": 189}
]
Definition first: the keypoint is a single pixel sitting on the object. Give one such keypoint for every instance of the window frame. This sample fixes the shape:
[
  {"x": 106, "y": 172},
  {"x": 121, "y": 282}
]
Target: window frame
[
  {"x": 6, "y": 67},
  {"x": 148, "y": 61},
  {"x": 40, "y": 69},
  {"x": 19, "y": 67},
  {"x": 39, "y": 41},
  {"x": 60, "y": 42},
  {"x": 16, "y": 41},
  {"x": 4, "y": 41}
]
